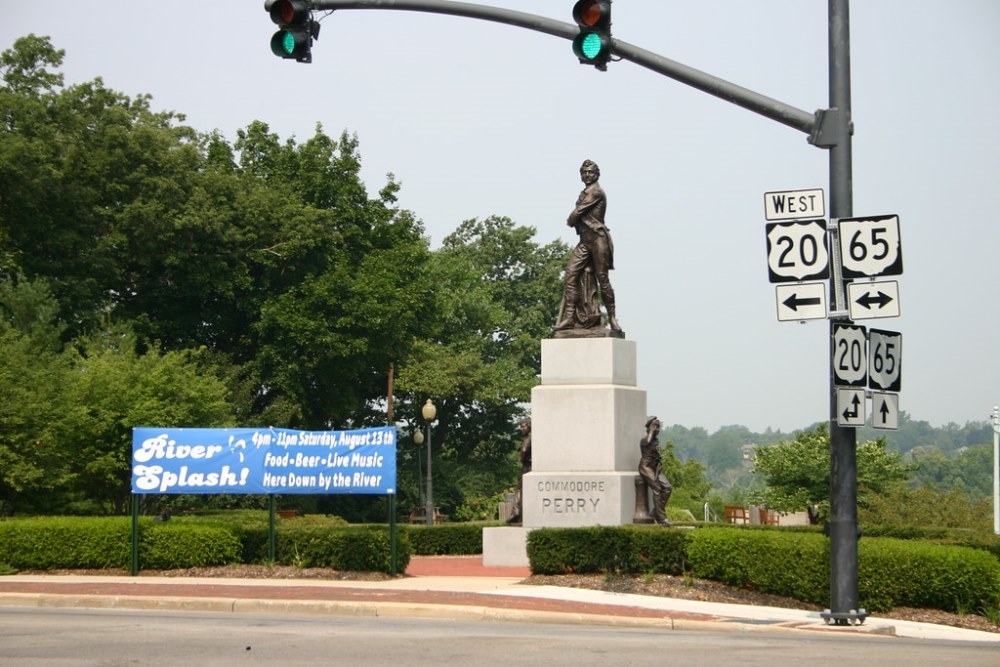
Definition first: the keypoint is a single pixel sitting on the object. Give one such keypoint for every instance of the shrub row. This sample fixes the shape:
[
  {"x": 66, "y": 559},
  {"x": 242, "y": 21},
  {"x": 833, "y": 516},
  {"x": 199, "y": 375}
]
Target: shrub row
[
  {"x": 97, "y": 543},
  {"x": 955, "y": 536},
  {"x": 891, "y": 572},
  {"x": 449, "y": 539},
  {"x": 626, "y": 549}
]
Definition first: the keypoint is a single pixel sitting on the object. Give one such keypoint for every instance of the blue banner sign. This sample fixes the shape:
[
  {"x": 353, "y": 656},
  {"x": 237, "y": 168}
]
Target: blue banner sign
[{"x": 259, "y": 460}]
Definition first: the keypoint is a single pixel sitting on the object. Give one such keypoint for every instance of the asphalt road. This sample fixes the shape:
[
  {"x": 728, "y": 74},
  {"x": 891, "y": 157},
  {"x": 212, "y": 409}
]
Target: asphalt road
[{"x": 79, "y": 637}]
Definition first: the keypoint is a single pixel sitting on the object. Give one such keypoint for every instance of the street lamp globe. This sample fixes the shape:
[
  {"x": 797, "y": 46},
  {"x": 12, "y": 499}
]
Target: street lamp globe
[
  {"x": 429, "y": 412},
  {"x": 418, "y": 437}
]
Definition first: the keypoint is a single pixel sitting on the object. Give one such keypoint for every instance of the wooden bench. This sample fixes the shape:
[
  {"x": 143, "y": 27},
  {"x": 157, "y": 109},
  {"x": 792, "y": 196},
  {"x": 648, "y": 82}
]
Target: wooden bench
[
  {"x": 419, "y": 515},
  {"x": 734, "y": 514}
]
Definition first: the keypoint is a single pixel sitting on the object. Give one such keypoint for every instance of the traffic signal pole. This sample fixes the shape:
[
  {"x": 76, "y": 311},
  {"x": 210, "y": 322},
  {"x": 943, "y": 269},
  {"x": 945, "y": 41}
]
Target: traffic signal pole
[
  {"x": 843, "y": 521},
  {"x": 829, "y": 128},
  {"x": 816, "y": 125}
]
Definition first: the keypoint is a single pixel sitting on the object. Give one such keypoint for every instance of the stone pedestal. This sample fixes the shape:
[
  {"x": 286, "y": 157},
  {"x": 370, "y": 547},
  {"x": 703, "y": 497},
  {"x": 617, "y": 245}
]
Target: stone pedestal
[{"x": 587, "y": 419}]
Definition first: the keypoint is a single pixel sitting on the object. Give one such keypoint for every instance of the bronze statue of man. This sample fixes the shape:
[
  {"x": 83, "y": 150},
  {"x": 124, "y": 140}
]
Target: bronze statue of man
[
  {"x": 651, "y": 471},
  {"x": 524, "y": 453},
  {"x": 591, "y": 260}
]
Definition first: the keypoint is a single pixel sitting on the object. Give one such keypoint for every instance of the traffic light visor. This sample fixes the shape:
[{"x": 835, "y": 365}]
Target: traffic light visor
[
  {"x": 288, "y": 12},
  {"x": 588, "y": 12}
]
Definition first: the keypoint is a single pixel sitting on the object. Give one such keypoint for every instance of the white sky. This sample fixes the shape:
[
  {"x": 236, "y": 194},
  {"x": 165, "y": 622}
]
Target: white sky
[{"x": 477, "y": 118}]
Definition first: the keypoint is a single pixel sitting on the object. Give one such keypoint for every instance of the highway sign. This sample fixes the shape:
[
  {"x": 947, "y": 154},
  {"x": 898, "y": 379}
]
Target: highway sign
[
  {"x": 851, "y": 407},
  {"x": 797, "y": 251},
  {"x": 870, "y": 246},
  {"x": 885, "y": 360},
  {"x": 850, "y": 362},
  {"x": 801, "y": 301},
  {"x": 794, "y": 204},
  {"x": 868, "y": 300},
  {"x": 885, "y": 411}
]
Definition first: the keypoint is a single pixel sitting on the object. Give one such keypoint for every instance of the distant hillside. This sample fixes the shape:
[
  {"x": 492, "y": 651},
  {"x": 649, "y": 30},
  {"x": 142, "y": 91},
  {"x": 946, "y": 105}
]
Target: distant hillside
[{"x": 723, "y": 452}]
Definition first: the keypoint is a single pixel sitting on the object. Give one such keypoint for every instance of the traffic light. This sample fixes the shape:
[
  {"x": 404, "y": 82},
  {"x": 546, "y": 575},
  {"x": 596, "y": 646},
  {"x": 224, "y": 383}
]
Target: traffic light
[
  {"x": 297, "y": 29},
  {"x": 593, "y": 45}
]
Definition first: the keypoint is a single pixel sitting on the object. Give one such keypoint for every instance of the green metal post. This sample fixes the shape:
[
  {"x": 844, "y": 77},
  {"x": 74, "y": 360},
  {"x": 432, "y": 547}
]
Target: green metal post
[
  {"x": 393, "y": 546},
  {"x": 271, "y": 547},
  {"x": 135, "y": 535}
]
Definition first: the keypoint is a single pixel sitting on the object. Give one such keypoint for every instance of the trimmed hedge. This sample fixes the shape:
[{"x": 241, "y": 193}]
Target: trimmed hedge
[
  {"x": 354, "y": 548},
  {"x": 65, "y": 542},
  {"x": 450, "y": 539},
  {"x": 642, "y": 549},
  {"x": 954, "y": 536},
  {"x": 902, "y": 573},
  {"x": 98, "y": 543},
  {"x": 793, "y": 564}
]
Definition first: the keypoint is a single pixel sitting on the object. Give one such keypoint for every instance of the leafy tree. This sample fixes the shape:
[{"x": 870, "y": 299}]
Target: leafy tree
[
  {"x": 928, "y": 506},
  {"x": 113, "y": 388},
  {"x": 968, "y": 472},
  {"x": 32, "y": 373},
  {"x": 691, "y": 487},
  {"x": 497, "y": 292},
  {"x": 78, "y": 167},
  {"x": 797, "y": 473}
]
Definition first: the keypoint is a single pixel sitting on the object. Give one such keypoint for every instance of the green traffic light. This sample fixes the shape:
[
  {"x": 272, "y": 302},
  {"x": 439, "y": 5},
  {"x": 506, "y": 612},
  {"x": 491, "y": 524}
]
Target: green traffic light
[
  {"x": 289, "y": 44},
  {"x": 591, "y": 45}
]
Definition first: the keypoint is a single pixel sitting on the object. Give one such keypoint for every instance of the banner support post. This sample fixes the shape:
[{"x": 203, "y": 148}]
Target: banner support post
[
  {"x": 135, "y": 536},
  {"x": 271, "y": 547}
]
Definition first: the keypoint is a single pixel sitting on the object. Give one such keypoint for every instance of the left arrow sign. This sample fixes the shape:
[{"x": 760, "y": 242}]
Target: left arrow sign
[{"x": 801, "y": 301}]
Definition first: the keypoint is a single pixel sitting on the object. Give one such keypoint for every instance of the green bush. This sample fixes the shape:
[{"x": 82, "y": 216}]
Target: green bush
[
  {"x": 903, "y": 573},
  {"x": 167, "y": 546},
  {"x": 606, "y": 549},
  {"x": 66, "y": 542},
  {"x": 954, "y": 536},
  {"x": 354, "y": 548},
  {"x": 450, "y": 539},
  {"x": 790, "y": 564},
  {"x": 97, "y": 543}
]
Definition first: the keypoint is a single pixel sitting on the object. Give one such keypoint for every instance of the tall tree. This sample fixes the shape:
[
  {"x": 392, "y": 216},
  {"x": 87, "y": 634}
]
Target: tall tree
[
  {"x": 498, "y": 292},
  {"x": 797, "y": 472},
  {"x": 32, "y": 375}
]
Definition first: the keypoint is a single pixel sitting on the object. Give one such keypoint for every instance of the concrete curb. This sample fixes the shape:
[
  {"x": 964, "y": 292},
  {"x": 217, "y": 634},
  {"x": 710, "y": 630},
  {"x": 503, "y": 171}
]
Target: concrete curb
[{"x": 413, "y": 610}]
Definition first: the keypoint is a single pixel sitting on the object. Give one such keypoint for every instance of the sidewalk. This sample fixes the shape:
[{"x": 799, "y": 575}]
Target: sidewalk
[{"x": 441, "y": 587}]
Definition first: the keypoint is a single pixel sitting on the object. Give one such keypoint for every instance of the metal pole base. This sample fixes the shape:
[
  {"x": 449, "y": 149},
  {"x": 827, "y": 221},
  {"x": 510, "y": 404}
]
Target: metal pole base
[{"x": 852, "y": 617}]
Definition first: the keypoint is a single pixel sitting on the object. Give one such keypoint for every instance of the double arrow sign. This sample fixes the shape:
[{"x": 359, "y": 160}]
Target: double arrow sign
[{"x": 873, "y": 299}]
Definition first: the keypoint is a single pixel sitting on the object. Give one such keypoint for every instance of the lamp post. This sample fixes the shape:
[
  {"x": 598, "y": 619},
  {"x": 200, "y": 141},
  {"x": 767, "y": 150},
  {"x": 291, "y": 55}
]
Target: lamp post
[
  {"x": 996, "y": 470},
  {"x": 418, "y": 439},
  {"x": 429, "y": 411}
]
